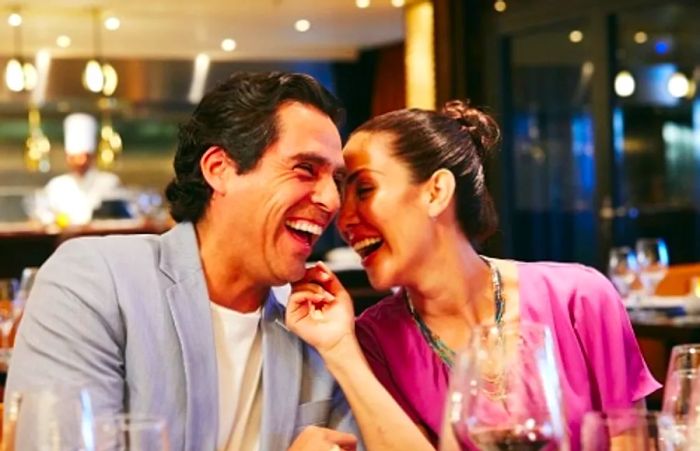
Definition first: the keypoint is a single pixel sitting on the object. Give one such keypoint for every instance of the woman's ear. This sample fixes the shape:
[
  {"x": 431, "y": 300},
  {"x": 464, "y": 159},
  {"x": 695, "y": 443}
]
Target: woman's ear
[
  {"x": 215, "y": 165},
  {"x": 440, "y": 189}
]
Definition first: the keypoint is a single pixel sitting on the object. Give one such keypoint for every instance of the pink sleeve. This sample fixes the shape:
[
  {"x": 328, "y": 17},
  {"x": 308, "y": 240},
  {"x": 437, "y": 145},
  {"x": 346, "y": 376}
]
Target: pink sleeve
[
  {"x": 373, "y": 353},
  {"x": 611, "y": 348}
]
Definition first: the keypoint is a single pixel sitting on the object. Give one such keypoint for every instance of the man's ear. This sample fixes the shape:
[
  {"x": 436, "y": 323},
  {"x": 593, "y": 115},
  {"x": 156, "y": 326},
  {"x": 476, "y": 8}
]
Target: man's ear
[
  {"x": 215, "y": 165},
  {"x": 439, "y": 189}
]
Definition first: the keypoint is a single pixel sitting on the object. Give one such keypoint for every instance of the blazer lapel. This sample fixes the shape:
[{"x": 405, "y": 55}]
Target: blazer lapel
[
  {"x": 282, "y": 373},
  {"x": 189, "y": 306}
]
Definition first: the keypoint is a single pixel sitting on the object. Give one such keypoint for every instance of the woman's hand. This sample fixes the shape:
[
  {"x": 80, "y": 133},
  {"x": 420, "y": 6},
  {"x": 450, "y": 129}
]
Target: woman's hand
[{"x": 320, "y": 310}]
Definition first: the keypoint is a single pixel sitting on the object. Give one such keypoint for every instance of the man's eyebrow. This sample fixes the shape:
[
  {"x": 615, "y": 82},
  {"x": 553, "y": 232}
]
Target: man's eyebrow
[
  {"x": 311, "y": 157},
  {"x": 319, "y": 160}
]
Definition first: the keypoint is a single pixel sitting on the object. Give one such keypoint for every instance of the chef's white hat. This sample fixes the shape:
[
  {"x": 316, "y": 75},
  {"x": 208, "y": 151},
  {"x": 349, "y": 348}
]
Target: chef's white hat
[{"x": 80, "y": 133}]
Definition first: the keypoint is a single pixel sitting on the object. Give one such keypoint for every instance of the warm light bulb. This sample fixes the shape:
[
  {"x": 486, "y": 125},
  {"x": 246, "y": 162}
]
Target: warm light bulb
[
  {"x": 30, "y": 76},
  {"x": 576, "y": 36},
  {"x": 398, "y": 3},
  {"x": 640, "y": 37},
  {"x": 678, "y": 85},
  {"x": 14, "y": 77},
  {"x": 362, "y": 3},
  {"x": 14, "y": 20},
  {"x": 500, "y": 6},
  {"x": 110, "y": 79},
  {"x": 228, "y": 45},
  {"x": 112, "y": 23},
  {"x": 302, "y": 25},
  {"x": 63, "y": 41},
  {"x": 624, "y": 84},
  {"x": 93, "y": 78}
]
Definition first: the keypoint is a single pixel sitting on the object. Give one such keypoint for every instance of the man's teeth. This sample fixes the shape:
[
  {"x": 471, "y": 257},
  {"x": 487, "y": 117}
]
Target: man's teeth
[
  {"x": 365, "y": 243},
  {"x": 305, "y": 226}
]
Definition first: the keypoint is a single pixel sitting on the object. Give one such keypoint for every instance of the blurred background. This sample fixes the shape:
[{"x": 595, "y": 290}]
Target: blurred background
[{"x": 597, "y": 100}]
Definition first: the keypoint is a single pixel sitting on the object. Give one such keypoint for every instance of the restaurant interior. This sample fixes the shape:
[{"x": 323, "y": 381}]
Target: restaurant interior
[{"x": 598, "y": 101}]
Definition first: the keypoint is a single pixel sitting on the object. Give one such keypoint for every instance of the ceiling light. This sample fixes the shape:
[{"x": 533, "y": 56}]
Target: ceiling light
[
  {"x": 302, "y": 25},
  {"x": 398, "y": 3},
  {"x": 63, "y": 41},
  {"x": 228, "y": 45},
  {"x": 362, "y": 3},
  {"x": 624, "y": 84},
  {"x": 19, "y": 74},
  {"x": 640, "y": 37},
  {"x": 500, "y": 6},
  {"x": 576, "y": 36},
  {"x": 14, "y": 19},
  {"x": 112, "y": 23},
  {"x": 678, "y": 85}
]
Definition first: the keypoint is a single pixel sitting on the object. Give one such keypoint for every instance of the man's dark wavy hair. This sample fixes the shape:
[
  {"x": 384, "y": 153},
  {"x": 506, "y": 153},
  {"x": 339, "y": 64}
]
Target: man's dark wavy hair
[{"x": 240, "y": 116}]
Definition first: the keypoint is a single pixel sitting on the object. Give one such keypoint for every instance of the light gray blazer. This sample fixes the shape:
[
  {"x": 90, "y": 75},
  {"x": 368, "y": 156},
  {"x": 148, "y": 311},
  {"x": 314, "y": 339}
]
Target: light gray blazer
[{"x": 130, "y": 317}]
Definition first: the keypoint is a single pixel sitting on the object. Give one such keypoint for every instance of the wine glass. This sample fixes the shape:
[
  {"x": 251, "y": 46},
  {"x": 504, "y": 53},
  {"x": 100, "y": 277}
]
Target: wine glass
[
  {"x": 623, "y": 269},
  {"x": 678, "y": 397},
  {"x": 652, "y": 256},
  {"x": 52, "y": 418},
  {"x": 684, "y": 357},
  {"x": 628, "y": 429},
  {"x": 130, "y": 432},
  {"x": 504, "y": 391}
]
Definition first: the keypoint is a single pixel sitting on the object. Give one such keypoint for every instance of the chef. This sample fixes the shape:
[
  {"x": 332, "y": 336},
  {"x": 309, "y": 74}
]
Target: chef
[{"x": 71, "y": 198}]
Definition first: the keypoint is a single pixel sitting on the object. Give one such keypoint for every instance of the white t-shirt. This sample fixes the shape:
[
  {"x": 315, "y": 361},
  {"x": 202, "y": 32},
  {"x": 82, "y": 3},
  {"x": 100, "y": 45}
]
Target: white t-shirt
[{"x": 238, "y": 341}]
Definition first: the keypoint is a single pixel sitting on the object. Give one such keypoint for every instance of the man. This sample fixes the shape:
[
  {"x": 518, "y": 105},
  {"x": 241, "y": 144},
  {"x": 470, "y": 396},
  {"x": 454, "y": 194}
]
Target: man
[
  {"x": 71, "y": 198},
  {"x": 185, "y": 325}
]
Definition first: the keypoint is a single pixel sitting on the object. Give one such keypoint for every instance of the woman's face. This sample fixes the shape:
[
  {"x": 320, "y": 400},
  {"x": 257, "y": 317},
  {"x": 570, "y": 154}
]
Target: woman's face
[{"x": 383, "y": 215}]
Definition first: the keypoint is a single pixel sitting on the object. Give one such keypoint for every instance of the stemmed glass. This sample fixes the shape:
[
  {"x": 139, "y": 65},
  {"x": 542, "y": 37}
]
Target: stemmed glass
[
  {"x": 504, "y": 391},
  {"x": 54, "y": 418},
  {"x": 652, "y": 256},
  {"x": 623, "y": 269},
  {"x": 684, "y": 357},
  {"x": 130, "y": 432},
  {"x": 678, "y": 397},
  {"x": 630, "y": 429}
]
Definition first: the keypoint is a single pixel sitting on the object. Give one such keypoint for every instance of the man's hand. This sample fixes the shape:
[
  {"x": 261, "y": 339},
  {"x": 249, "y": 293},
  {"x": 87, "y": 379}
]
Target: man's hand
[
  {"x": 315, "y": 438},
  {"x": 320, "y": 310}
]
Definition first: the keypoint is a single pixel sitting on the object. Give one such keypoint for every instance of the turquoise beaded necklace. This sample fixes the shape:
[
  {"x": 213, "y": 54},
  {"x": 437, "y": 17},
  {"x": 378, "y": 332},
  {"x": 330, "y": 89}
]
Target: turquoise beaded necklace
[{"x": 443, "y": 351}]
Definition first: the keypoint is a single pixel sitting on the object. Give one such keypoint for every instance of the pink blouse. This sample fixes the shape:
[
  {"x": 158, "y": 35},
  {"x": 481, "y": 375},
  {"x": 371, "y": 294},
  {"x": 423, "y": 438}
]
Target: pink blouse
[{"x": 600, "y": 362}]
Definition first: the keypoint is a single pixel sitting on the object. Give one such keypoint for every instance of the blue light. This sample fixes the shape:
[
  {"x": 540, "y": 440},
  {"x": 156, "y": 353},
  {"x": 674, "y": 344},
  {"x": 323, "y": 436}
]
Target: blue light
[{"x": 662, "y": 47}]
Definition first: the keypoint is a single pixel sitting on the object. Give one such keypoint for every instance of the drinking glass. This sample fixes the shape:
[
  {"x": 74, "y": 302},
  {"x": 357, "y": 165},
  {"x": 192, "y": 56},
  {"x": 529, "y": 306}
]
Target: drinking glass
[
  {"x": 678, "y": 398},
  {"x": 628, "y": 430},
  {"x": 53, "y": 418},
  {"x": 505, "y": 393},
  {"x": 131, "y": 432},
  {"x": 623, "y": 269},
  {"x": 652, "y": 257},
  {"x": 684, "y": 357}
]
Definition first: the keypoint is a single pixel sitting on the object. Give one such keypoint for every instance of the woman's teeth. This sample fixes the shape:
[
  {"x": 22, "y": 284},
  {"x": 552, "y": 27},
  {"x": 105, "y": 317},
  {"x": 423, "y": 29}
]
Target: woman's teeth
[{"x": 367, "y": 246}]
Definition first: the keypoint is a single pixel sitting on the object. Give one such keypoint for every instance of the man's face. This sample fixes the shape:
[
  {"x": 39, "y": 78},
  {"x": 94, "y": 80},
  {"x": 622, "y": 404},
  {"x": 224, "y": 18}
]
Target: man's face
[
  {"x": 278, "y": 210},
  {"x": 79, "y": 163}
]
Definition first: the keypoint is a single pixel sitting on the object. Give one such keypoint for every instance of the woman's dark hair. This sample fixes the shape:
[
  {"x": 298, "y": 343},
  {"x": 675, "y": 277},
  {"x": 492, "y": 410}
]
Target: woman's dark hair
[
  {"x": 240, "y": 116},
  {"x": 458, "y": 138}
]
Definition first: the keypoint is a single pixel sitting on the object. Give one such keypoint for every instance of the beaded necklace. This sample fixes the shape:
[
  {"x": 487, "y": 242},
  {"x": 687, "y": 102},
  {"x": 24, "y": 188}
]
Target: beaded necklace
[{"x": 445, "y": 353}]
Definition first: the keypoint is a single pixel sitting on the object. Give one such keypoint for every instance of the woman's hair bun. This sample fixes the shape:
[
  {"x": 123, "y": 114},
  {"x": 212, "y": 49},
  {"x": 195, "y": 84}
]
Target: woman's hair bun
[{"x": 482, "y": 128}]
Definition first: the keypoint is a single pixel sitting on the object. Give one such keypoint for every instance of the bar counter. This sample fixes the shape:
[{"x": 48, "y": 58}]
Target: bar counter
[{"x": 30, "y": 244}]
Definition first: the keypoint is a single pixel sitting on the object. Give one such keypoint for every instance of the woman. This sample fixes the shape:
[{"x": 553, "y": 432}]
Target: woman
[{"x": 415, "y": 206}]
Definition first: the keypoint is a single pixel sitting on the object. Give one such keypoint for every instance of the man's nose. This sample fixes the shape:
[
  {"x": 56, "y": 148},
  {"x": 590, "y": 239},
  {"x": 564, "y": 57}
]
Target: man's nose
[{"x": 326, "y": 195}]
